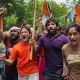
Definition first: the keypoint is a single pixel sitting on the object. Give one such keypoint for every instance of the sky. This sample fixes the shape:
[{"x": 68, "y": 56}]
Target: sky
[
  {"x": 60, "y": 1},
  {"x": 57, "y": 1}
]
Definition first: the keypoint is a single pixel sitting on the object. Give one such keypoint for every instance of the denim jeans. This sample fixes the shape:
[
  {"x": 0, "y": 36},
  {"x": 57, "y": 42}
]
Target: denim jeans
[{"x": 53, "y": 76}]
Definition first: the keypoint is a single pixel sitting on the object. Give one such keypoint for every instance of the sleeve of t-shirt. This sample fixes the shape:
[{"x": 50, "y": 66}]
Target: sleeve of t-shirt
[
  {"x": 13, "y": 54},
  {"x": 40, "y": 41},
  {"x": 65, "y": 39}
]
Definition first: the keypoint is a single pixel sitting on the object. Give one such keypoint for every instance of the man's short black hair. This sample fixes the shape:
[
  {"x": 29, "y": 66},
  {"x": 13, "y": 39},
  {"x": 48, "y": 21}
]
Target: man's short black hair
[{"x": 51, "y": 20}]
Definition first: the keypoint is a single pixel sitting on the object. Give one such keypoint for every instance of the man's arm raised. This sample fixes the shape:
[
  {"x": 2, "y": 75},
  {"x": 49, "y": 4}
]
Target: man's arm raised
[{"x": 2, "y": 11}]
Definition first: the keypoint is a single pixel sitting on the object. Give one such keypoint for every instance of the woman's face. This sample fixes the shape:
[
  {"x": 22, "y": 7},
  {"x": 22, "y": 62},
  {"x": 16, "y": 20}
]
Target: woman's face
[
  {"x": 24, "y": 34},
  {"x": 73, "y": 36}
]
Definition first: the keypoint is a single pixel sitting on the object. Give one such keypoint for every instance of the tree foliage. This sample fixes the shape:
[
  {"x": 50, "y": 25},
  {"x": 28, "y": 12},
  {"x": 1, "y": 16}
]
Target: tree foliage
[
  {"x": 16, "y": 9},
  {"x": 19, "y": 11},
  {"x": 59, "y": 11}
]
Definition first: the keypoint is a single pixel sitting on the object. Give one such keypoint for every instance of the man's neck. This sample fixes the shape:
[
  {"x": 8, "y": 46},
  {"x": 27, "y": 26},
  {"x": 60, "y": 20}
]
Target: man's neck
[
  {"x": 15, "y": 41},
  {"x": 53, "y": 36}
]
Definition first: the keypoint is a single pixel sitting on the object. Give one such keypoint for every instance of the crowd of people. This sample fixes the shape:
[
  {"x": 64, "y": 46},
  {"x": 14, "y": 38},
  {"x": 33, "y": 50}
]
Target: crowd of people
[{"x": 56, "y": 53}]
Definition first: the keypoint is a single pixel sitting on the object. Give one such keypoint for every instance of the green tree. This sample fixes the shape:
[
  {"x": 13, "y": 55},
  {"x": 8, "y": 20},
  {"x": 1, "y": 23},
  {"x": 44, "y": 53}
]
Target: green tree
[
  {"x": 16, "y": 9},
  {"x": 19, "y": 11},
  {"x": 59, "y": 11}
]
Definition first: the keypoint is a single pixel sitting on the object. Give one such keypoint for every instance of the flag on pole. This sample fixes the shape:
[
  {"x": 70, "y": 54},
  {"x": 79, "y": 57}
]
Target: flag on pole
[
  {"x": 45, "y": 9},
  {"x": 77, "y": 9},
  {"x": 45, "y": 12}
]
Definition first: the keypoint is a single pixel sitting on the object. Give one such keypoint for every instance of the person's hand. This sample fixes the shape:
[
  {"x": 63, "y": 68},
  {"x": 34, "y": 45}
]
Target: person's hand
[
  {"x": 2, "y": 57},
  {"x": 65, "y": 72},
  {"x": 40, "y": 20},
  {"x": 2, "y": 11},
  {"x": 32, "y": 41},
  {"x": 9, "y": 50}
]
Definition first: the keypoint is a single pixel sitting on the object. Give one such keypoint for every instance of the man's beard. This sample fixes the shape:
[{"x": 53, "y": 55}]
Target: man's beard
[
  {"x": 52, "y": 32},
  {"x": 15, "y": 38}
]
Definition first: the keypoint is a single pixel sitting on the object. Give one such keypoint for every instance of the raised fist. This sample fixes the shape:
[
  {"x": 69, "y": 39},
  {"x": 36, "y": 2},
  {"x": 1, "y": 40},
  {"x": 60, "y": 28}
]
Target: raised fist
[{"x": 2, "y": 11}]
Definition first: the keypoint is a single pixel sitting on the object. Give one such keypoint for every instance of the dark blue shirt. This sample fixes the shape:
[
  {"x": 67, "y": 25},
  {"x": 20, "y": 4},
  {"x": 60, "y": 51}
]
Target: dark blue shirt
[{"x": 52, "y": 51}]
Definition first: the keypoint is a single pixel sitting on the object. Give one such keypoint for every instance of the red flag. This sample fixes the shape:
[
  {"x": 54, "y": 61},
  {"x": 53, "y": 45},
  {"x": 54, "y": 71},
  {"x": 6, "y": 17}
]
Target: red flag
[
  {"x": 45, "y": 9},
  {"x": 78, "y": 20},
  {"x": 45, "y": 12},
  {"x": 77, "y": 8}
]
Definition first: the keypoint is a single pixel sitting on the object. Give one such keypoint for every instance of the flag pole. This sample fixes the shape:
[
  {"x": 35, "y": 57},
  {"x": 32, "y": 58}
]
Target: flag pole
[{"x": 34, "y": 26}]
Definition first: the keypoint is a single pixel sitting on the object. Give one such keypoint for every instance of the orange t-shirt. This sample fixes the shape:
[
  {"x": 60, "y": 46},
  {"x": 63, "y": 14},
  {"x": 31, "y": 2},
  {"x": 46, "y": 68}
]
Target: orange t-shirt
[{"x": 25, "y": 66}]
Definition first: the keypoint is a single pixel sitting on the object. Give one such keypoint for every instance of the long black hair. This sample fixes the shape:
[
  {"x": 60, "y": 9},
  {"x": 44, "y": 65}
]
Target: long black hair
[
  {"x": 77, "y": 28},
  {"x": 51, "y": 20}
]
